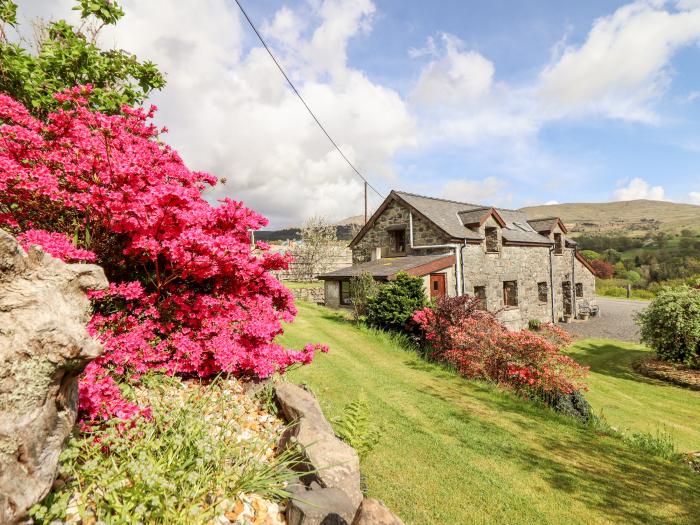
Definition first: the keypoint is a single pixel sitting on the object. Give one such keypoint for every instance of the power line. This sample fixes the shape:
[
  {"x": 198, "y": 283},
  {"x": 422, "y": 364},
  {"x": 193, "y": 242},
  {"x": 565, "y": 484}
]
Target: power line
[{"x": 296, "y": 92}]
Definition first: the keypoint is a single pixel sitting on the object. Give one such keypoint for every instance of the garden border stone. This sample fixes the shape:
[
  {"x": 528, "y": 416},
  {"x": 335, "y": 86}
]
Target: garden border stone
[
  {"x": 332, "y": 493},
  {"x": 44, "y": 345}
]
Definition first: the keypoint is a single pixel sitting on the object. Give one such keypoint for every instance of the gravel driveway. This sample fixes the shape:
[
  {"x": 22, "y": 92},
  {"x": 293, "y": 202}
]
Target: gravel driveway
[{"x": 615, "y": 321}]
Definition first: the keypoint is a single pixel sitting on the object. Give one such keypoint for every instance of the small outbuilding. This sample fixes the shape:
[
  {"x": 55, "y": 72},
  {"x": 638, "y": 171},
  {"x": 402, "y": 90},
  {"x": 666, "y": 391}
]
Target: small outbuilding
[{"x": 437, "y": 271}]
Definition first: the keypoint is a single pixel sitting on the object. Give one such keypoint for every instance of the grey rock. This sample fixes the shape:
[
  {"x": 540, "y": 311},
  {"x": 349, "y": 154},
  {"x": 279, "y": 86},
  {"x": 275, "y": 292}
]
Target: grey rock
[
  {"x": 320, "y": 506},
  {"x": 297, "y": 403},
  {"x": 331, "y": 462},
  {"x": 43, "y": 347},
  {"x": 374, "y": 512}
]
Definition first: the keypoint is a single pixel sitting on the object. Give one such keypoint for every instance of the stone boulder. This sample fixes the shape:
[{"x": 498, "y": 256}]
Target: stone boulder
[
  {"x": 332, "y": 462},
  {"x": 320, "y": 506},
  {"x": 43, "y": 347},
  {"x": 374, "y": 512}
]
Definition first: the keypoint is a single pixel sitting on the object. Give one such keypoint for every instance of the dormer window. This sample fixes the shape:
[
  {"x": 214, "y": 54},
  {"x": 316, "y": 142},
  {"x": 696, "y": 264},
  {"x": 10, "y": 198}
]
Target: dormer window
[
  {"x": 558, "y": 244},
  {"x": 491, "y": 236}
]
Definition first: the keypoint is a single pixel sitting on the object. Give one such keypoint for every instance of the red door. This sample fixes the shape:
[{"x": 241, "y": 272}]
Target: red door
[{"x": 437, "y": 285}]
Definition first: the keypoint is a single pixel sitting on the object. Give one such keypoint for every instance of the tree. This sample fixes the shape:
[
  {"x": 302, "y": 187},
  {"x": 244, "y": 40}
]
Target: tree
[
  {"x": 317, "y": 251},
  {"x": 612, "y": 256},
  {"x": 671, "y": 325},
  {"x": 395, "y": 302},
  {"x": 633, "y": 277},
  {"x": 65, "y": 56},
  {"x": 590, "y": 255},
  {"x": 188, "y": 294},
  {"x": 603, "y": 269},
  {"x": 363, "y": 288}
]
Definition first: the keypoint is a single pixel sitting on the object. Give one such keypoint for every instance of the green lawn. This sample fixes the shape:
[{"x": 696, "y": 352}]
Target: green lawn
[
  {"x": 455, "y": 451},
  {"x": 630, "y": 400}
]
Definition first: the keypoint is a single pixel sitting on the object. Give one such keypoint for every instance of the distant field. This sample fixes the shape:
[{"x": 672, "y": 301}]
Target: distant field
[{"x": 629, "y": 217}]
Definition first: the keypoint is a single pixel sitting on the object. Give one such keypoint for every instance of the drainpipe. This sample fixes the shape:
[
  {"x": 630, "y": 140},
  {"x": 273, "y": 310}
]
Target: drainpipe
[
  {"x": 461, "y": 266},
  {"x": 573, "y": 281},
  {"x": 551, "y": 283},
  {"x": 455, "y": 247}
]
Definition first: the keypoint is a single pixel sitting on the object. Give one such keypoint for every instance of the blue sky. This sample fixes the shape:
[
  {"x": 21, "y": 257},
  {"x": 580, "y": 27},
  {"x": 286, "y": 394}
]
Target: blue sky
[{"x": 502, "y": 102}]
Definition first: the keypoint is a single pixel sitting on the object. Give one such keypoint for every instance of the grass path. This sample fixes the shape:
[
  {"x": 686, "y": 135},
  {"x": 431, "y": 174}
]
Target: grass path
[
  {"x": 455, "y": 451},
  {"x": 630, "y": 400}
]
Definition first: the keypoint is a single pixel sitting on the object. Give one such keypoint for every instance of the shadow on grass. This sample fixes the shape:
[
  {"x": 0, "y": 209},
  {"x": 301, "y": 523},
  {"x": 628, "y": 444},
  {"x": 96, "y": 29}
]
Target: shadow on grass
[
  {"x": 611, "y": 360},
  {"x": 595, "y": 470}
]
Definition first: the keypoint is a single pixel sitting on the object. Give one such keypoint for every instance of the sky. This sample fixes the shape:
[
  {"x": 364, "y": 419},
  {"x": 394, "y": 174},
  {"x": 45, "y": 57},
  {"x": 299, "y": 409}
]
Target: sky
[{"x": 505, "y": 103}]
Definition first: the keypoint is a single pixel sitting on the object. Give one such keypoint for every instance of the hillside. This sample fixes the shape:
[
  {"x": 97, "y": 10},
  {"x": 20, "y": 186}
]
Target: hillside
[{"x": 631, "y": 217}]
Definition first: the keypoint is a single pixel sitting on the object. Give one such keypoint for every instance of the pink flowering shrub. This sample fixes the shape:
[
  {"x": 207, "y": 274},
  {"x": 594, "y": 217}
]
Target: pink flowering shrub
[
  {"x": 189, "y": 295},
  {"x": 477, "y": 345},
  {"x": 55, "y": 244}
]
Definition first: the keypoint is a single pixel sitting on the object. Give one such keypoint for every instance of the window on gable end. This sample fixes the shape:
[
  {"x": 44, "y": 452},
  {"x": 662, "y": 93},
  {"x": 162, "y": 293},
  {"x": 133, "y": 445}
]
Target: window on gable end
[
  {"x": 542, "y": 292},
  {"x": 491, "y": 236},
  {"x": 558, "y": 244},
  {"x": 397, "y": 239}
]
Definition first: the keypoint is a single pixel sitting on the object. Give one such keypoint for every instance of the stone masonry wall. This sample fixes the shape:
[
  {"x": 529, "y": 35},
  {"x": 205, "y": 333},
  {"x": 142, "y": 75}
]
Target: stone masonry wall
[
  {"x": 312, "y": 294},
  {"x": 424, "y": 233},
  {"x": 528, "y": 265}
]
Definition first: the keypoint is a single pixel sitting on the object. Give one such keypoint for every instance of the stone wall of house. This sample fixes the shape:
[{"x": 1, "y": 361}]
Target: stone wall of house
[
  {"x": 527, "y": 265},
  {"x": 563, "y": 273},
  {"x": 312, "y": 294},
  {"x": 424, "y": 233},
  {"x": 331, "y": 293}
]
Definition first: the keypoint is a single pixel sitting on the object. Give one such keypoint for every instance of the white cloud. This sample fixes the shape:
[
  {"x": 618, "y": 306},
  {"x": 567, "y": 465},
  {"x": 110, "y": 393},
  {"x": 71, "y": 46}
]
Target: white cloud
[
  {"x": 231, "y": 113},
  {"x": 490, "y": 190},
  {"x": 623, "y": 66},
  {"x": 551, "y": 203},
  {"x": 694, "y": 197},
  {"x": 458, "y": 77},
  {"x": 639, "y": 189}
]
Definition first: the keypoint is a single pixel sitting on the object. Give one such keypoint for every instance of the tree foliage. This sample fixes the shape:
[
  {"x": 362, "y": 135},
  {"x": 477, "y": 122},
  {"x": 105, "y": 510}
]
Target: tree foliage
[
  {"x": 603, "y": 269},
  {"x": 473, "y": 341},
  {"x": 188, "y": 293},
  {"x": 66, "y": 56},
  {"x": 317, "y": 250},
  {"x": 363, "y": 288},
  {"x": 671, "y": 325},
  {"x": 393, "y": 305}
]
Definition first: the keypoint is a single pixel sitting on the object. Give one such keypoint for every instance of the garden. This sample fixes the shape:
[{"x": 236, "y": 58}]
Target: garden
[
  {"x": 192, "y": 309},
  {"x": 455, "y": 419}
]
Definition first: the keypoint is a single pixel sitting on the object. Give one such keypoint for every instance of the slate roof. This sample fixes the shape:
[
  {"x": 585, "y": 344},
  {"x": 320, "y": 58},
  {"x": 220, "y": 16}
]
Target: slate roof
[
  {"x": 386, "y": 268},
  {"x": 474, "y": 216},
  {"x": 444, "y": 213},
  {"x": 449, "y": 216},
  {"x": 544, "y": 225}
]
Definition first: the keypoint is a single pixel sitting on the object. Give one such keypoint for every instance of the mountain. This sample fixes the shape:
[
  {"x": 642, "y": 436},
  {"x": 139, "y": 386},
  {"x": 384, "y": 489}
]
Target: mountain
[{"x": 630, "y": 217}]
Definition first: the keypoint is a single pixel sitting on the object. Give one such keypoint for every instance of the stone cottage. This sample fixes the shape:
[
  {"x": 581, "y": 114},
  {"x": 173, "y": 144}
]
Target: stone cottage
[{"x": 523, "y": 269}]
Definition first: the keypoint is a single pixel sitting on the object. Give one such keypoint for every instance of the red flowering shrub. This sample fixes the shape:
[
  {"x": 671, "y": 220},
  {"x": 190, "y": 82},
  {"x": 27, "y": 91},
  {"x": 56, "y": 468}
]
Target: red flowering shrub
[
  {"x": 603, "y": 269},
  {"x": 479, "y": 346},
  {"x": 189, "y": 295}
]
